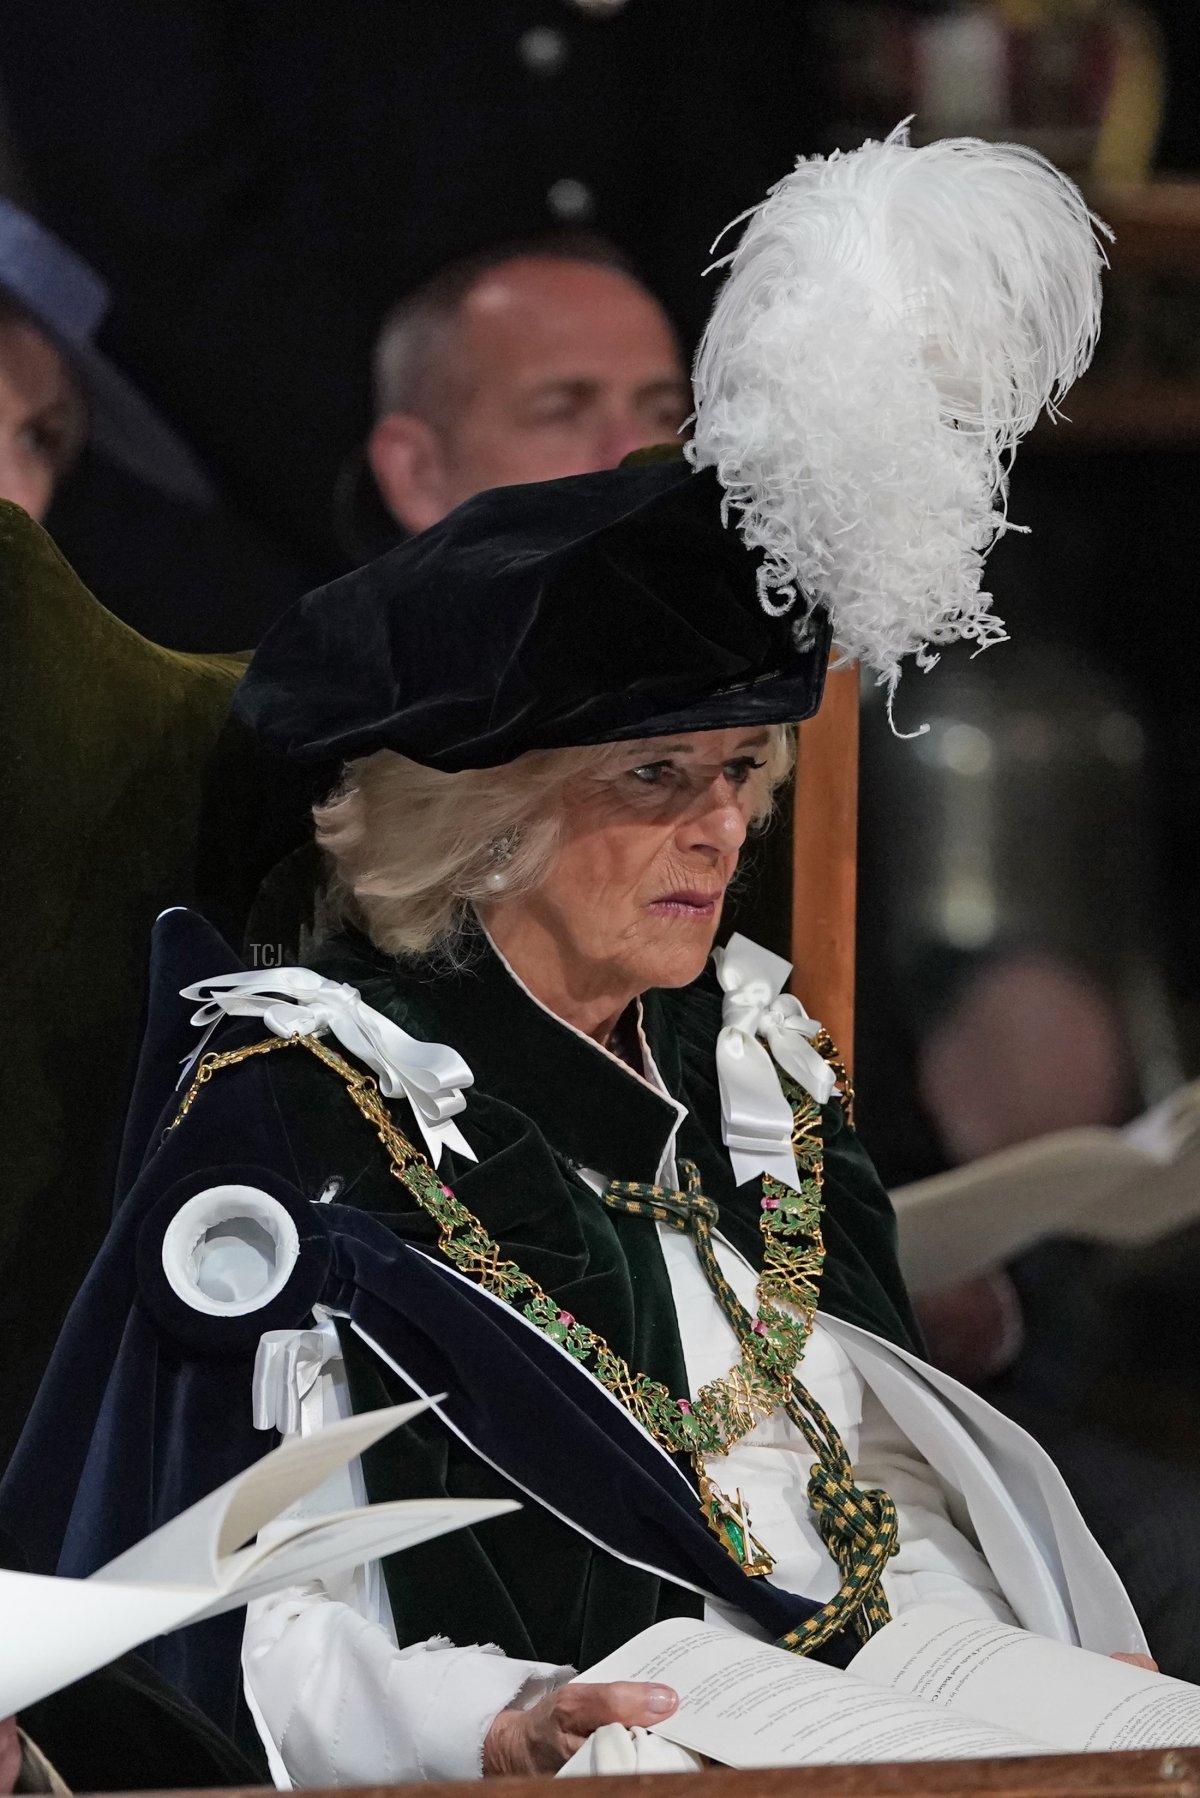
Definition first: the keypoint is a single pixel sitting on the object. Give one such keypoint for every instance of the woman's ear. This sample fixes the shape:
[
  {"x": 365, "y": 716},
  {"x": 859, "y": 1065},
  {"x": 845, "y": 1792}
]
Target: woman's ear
[{"x": 407, "y": 460}]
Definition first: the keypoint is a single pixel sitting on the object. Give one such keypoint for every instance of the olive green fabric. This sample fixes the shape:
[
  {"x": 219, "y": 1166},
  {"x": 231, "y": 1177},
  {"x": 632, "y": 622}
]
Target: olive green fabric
[
  {"x": 545, "y": 1103},
  {"x": 124, "y": 1729},
  {"x": 103, "y": 743}
]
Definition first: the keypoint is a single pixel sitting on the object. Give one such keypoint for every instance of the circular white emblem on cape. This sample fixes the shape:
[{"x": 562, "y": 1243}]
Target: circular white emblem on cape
[{"x": 230, "y": 1250}]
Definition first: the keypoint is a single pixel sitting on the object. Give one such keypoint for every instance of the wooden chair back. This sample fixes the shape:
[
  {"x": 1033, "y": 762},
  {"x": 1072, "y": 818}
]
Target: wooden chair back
[{"x": 825, "y": 860}]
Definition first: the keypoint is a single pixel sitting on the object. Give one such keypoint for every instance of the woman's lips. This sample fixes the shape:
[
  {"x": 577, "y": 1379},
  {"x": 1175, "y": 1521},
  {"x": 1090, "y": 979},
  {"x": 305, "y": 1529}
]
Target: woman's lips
[{"x": 686, "y": 904}]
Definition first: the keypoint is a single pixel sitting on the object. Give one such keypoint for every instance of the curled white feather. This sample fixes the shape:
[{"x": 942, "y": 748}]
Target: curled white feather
[{"x": 893, "y": 322}]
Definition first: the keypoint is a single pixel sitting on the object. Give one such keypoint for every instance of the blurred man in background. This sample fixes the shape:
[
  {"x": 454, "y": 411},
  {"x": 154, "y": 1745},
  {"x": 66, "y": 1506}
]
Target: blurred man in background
[{"x": 541, "y": 359}]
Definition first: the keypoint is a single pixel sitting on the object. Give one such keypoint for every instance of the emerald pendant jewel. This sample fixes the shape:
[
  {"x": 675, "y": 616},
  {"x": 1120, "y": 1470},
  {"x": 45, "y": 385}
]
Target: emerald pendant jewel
[{"x": 729, "y": 1521}]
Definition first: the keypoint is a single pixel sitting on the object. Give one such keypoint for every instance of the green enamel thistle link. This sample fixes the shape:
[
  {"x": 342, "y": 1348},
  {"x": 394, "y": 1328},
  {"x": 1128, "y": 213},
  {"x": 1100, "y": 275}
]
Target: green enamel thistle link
[{"x": 725, "y": 1410}]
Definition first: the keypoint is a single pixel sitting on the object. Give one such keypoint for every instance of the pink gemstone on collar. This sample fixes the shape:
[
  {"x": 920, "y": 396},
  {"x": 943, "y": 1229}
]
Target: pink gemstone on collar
[
  {"x": 685, "y": 1407},
  {"x": 770, "y": 1204},
  {"x": 759, "y": 1327},
  {"x": 564, "y": 1317},
  {"x": 447, "y": 1192}
]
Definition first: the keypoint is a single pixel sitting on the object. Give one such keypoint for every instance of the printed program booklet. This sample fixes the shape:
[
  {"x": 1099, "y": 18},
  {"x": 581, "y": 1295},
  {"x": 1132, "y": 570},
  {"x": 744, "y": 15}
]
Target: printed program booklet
[
  {"x": 931, "y": 1685},
  {"x": 1121, "y": 1186},
  {"x": 204, "y": 1561}
]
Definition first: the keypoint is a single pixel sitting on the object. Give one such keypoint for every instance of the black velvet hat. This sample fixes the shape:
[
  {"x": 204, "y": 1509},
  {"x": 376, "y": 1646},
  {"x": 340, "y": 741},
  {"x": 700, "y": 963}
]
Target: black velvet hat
[{"x": 588, "y": 610}]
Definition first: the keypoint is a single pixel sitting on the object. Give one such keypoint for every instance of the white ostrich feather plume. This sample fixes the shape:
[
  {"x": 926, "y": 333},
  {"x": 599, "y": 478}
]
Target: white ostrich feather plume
[{"x": 893, "y": 322}]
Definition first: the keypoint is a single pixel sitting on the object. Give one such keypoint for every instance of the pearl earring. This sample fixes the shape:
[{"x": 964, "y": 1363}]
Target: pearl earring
[{"x": 501, "y": 849}]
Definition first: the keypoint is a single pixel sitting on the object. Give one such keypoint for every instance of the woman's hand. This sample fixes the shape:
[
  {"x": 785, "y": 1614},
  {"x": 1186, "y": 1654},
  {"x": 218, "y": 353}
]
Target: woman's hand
[
  {"x": 543, "y": 1738},
  {"x": 1137, "y": 1660}
]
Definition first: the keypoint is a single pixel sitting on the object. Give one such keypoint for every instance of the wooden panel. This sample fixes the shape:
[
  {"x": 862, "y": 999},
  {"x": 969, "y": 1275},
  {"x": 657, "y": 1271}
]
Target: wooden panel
[
  {"x": 1144, "y": 391},
  {"x": 1157, "y": 224},
  {"x": 1125, "y": 413},
  {"x": 1173, "y": 1774},
  {"x": 825, "y": 860}
]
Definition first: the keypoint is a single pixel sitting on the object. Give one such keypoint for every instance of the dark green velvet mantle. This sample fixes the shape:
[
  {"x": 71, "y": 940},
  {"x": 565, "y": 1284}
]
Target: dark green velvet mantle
[{"x": 545, "y": 1102}]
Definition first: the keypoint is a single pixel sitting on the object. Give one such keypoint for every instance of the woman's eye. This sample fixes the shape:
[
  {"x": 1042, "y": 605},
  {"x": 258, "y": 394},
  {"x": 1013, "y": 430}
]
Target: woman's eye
[
  {"x": 652, "y": 774},
  {"x": 739, "y": 772}
]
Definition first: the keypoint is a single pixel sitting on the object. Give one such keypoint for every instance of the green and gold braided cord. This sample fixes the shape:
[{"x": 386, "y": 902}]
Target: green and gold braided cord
[{"x": 858, "y": 1527}]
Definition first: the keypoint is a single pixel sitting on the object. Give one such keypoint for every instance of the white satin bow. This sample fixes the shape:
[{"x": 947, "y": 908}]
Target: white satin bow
[
  {"x": 298, "y": 1002},
  {"x": 287, "y": 1366},
  {"x": 756, "y": 1119}
]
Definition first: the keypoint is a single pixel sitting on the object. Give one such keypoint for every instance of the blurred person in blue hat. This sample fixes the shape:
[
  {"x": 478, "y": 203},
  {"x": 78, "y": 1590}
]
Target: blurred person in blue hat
[
  {"x": 57, "y": 388},
  {"x": 42, "y": 421},
  {"x": 124, "y": 496}
]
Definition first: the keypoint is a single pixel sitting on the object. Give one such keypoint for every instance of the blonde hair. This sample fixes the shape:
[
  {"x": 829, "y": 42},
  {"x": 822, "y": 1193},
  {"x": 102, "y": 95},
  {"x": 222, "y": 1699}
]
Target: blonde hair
[{"x": 412, "y": 847}]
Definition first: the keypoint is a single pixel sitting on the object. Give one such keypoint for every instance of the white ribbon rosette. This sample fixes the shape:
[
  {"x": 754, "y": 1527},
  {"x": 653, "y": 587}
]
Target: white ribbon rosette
[
  {"x": 298, "y": 1002},
  {"x": 761, "y": 1021}
]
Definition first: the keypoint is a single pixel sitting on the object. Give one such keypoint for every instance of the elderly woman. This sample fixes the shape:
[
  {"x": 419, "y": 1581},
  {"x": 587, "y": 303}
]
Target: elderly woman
[
  {"x": 514, "y": 1140},
  {"x": 519, "y": 1140}
]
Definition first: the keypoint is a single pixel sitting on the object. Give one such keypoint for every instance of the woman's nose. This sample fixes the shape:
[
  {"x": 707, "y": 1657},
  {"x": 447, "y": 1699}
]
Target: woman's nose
[{"x": 719, "y": 825}]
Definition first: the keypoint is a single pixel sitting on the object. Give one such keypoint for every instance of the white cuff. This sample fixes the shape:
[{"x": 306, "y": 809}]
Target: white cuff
[
  {"x": 341, "y": 1705},
  {"x": 476, "y": 1684}
]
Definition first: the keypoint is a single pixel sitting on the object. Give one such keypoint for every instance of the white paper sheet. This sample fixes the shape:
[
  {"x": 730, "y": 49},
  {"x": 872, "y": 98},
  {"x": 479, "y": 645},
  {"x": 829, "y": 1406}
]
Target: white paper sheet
[
  {"x": 748, "y": 1704},
  {"x": 1066, "y": 1696},
  {"x": 56, "y": 1630},
  {"x": 1123, "y": 1186},
  {"x": 192, "y": 1549},
  {"x": 350, "y": 1538}
]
